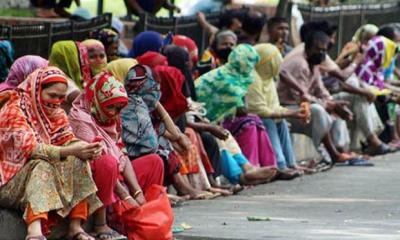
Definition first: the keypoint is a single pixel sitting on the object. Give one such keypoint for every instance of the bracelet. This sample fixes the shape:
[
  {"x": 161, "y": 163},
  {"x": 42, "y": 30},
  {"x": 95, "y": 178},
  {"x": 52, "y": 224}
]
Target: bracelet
[
  {"x": 127, "y": 197},
  {"x": 137, "y": 193}
]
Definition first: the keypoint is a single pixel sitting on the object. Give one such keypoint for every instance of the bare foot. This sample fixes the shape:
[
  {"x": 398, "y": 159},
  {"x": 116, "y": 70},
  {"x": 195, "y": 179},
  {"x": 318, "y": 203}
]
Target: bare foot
[
  {"x": 79, "y": 234},
  {"x": 223, "y": 192},
  {"x": 105, "y": 232}
]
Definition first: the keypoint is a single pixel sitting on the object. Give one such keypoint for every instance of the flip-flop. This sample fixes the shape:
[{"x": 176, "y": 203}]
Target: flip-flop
[
  {"x": 80, "y": 234},
  {"x": 111, "y": 235},
  {"x": 39, "y": 237},
  {"x": 358, "y": 162}
]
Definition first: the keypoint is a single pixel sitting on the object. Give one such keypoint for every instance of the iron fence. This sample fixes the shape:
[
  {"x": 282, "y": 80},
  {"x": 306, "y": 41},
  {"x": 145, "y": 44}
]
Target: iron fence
[
  {"x": 38, "y": 38},
  {"x": 187, "y": 26},
  {"x": 349, "y": 18}
]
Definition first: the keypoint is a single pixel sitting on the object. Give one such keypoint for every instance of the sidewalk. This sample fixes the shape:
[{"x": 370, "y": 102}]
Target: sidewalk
[{"x": 345, "y": 203}]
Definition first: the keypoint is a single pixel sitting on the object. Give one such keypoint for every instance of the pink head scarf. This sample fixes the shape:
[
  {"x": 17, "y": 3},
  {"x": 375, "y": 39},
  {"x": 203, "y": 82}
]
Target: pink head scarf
[{"x": 20, "y": 70}]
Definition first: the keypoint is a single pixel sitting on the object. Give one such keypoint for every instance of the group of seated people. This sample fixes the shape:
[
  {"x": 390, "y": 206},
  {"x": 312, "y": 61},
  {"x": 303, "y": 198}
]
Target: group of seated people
[{"x": 90, "y": 126}]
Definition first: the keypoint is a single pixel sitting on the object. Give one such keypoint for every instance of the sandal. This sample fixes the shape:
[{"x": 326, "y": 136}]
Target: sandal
[
  {"x": 380, "y": 150},
  {"x": 111, "y": 235},
  {"x": 39, "y": 237},
  {"x": 357, "y": 163},
  {"x": 79, "y": 235}
]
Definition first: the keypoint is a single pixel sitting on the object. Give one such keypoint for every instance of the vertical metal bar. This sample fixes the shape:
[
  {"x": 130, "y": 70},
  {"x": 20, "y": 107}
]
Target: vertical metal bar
[
  {"x": 340, "y": 31},
  {"x": 49, "y": 26},
  {"x": 100, "y": 7}
]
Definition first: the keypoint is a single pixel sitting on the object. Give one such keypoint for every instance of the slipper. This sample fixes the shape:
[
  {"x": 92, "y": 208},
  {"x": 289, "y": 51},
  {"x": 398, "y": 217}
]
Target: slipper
[
  {"x": 111, "y": 235},
  {"x": 78, "y": 236},
  {"x": 40, "y": 237},
  {"x": 357, "y": 163},
  {"x": 380, "y": 150}
]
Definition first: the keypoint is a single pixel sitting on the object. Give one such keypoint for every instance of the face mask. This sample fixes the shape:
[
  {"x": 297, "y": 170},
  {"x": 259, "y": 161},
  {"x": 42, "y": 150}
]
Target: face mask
[
  {"x": 50, "y": 106},
  {"x": 223, "y": 53},
  {"x": 317, "y": 58}
]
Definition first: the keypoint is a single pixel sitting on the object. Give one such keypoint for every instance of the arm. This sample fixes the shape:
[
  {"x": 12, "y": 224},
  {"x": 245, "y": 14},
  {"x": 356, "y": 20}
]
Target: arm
[
  {"x": 172, "y": 131},
  {"x": 133, "y": 184},
  {"x": 209, "y": 28},
  {"x": 288, "y": 78},
  {"x": 135, "y": 7}
]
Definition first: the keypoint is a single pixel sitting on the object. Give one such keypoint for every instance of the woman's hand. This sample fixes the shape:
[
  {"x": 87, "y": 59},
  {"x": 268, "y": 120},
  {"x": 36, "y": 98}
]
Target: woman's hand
[
  {"x": 218, "y": 132},
  {"x": 181, "y": 144},
  {"x": 83, "y": 150},
  {"x": 140, "y": 199}
]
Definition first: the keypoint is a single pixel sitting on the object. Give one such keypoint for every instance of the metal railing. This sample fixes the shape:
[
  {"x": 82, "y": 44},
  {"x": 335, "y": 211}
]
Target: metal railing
[
  {"x": 349, "y": 18},
  {"x": 38, "y": 38}
]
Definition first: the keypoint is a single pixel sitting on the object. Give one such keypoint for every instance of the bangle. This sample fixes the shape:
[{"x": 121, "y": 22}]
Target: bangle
[
  {"x": 127, "y": 197},
  {"x": 137, "y": 193}
]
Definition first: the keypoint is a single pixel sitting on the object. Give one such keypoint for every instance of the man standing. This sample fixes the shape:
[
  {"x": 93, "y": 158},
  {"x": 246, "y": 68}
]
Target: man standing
[{"x": 278, "y": 31}]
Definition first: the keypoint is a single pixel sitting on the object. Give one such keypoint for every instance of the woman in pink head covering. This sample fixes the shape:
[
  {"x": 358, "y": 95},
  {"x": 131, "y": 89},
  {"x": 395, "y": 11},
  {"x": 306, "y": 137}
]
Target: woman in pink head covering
[{"x": 20, "y": 70}]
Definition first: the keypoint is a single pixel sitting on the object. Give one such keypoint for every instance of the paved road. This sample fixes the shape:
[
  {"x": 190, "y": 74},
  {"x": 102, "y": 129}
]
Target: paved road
[{"x": 345, "y": 203}]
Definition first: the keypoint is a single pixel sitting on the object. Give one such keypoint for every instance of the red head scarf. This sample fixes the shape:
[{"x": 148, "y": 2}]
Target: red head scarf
[
  {"x": 152, "y": 59},
  {"x": 172, "y": 98},
  {"x": 25, "y": 121},
  {"x": 188, "y": 44}
]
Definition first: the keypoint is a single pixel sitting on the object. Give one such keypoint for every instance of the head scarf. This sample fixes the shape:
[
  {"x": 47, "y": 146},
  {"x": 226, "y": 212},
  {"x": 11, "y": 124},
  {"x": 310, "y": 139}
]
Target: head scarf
[
  {"x": 117, "y": 25},
  {"x": 179, "y": 58},
  {"x": 104, "y": 91},
  {"x": 72, "y": 58},
  {"x": 6, "y": 58},
  {"x": 120, "y": 67},
  {"x": 101, "y": 65},
  {"x": 223, "y": 89},
  {"x": 270, "y": 61},
  {"x": 172, "y": 97},
  {"x": 139, "y": 134},
  {"x": 26, "y": 120},
  {"x": 106, "y": 36},
  {"x": 263, "y": 96},
  {"x": 20, "y": 70},
  {"x": 189, "y": 45},
  {"x": 152, "y": 59},
  {"x": 367, "y": 29},
  {"x": 378, "y": 57},
  {"x": 144, "y": 42},
  {"x": 89, "y": 120}
]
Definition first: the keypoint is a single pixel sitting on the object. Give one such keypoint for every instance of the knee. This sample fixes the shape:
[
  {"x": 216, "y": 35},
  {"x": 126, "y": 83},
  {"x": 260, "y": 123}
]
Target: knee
[
  {"x": 106, "y": 163},
  {"x": 155, "y": 161}
]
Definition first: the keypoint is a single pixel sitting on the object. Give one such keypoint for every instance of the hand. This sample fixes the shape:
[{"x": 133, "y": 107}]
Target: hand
[
  {"x": 140, "y": 199},
  {"x": 299, "y": 114},
  {"x": 177, "y": 9},
  {"x": 182, "y": 144},
  {"x": 358, "y": 59},
  {"x": 133, "y": 202},
  {"x": 241, "y": 112},
  {"x": 305, "y": 97},
  {"x": 218, "y": 132},
  {"x": 370, "y": 96},
  {"x": 341, "y": 109},
  {"x": 86, "y": 151},
  {"x": 201, "y": 17}
]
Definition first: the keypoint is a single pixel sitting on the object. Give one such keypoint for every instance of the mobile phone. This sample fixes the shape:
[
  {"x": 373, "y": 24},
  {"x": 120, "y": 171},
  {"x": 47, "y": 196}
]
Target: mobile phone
[{"x": 98, "y": 138}]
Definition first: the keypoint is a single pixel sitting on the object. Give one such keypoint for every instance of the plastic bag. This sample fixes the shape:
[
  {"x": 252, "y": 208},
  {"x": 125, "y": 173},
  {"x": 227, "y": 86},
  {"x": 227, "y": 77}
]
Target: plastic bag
[{"x": 151, "y": 221}]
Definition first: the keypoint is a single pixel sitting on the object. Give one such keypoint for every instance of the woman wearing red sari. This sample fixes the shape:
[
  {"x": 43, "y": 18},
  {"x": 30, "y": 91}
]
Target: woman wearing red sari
[
  {"x": 95, "y": 116},
  {"x": 43, "y": 167}
]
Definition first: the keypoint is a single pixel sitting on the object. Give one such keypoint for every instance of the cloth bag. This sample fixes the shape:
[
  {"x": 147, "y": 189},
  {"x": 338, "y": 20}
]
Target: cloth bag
[{"x": 151, "y": 221}]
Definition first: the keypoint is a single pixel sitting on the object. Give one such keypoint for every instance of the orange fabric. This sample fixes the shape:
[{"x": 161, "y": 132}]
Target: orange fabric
[
  {"x": 81, "y": 211},
  {"x": 31, "y": 217},
  {"x": 188, "y": 160},
  {"x": 25, "y": 122}
]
